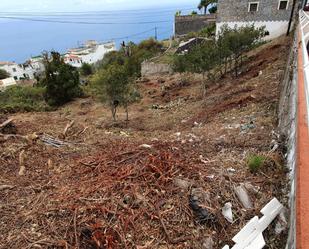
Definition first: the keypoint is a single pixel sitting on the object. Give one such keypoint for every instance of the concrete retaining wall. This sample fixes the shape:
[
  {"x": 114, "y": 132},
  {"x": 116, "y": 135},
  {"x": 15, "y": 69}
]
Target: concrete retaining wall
[
  {"x": 187, "y": 24},
  {"x": 152, "y": 68},
  {"x": 287, "y": 127}
]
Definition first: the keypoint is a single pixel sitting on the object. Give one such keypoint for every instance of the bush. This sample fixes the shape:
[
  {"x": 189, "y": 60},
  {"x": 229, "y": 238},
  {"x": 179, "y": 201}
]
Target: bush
[
  {"x": 86, "y": 69},
  {"x": 23, "y": 99},
  {"x": 60, "y": 80},
  {"x": 256, "y": 162}
]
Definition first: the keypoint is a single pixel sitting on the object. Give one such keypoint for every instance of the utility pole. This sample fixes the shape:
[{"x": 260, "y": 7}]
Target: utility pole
[
  {"x": 291, "y": 18},
  {"x": 156, "y": 33}
]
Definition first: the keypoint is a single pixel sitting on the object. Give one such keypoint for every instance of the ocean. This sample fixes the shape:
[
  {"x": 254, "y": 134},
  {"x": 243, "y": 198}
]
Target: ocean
[{"x": 21, "y": 39}]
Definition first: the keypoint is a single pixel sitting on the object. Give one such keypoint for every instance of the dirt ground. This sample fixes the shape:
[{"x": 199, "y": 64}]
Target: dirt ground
[{"x": 157, "y": 181}]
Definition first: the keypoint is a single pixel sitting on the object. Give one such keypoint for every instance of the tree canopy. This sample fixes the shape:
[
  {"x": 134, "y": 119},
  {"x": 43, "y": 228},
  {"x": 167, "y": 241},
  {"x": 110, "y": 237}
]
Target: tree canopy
[
  {"x": 205, "y": 3},
  {"x": 60, "y": 80}
]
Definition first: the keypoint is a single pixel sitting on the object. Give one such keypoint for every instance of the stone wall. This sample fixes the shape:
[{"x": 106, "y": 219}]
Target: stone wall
[
  {"x": 152, "y": 68},
  {"x": 237, "y": 11},
  {"x": 187, "y": 24}
]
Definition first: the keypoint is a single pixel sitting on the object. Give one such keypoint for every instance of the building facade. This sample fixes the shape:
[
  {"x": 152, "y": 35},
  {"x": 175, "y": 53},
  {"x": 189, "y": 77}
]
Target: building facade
[
  {"x": 18, "y": 71},
  {"x": 90, "y": 53},
  {"x": 273, "y": 14}
]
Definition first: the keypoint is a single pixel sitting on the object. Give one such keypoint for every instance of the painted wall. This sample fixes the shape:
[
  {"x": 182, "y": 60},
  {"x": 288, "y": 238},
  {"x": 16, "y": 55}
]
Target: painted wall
[
  {"x": 90, "y": 55},
  {"x": 17, "y": 71},
  {"x": 275, "y": 28}
]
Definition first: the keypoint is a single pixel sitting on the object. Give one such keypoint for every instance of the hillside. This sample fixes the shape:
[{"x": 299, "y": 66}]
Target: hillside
[{"x": 137, "y": 184}]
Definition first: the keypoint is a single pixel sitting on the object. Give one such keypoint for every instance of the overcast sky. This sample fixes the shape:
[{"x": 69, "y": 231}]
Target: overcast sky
[{"x": 85, "y": 5}]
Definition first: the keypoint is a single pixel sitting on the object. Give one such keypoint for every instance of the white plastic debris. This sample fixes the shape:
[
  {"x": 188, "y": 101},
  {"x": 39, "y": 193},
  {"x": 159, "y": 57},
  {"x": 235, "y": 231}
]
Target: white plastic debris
[
  {"x": 243, "y": 196},
  {"x": 177, "y": 134},
  {"x": 251, "y": 236},
  {"x": 146, "y": 146},
  {"x": 232, "y": 170},
  {"x": 227, "y": 212}
]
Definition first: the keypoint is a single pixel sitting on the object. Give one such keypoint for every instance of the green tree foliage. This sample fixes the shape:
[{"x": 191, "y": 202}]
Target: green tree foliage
[
  {"x": 4, "y": 74},
  {"x": 116, "y": 74},
  {"x": 60, "y": 80},
  {"x": 213, "y": 56},
  {"x": 201, "y": 59},
  {"x": 178, "y": 13},
  {"x": 132, "y": 55},
  {"x": 114, "y": 87},
  {"x": 213, "y": 10},
  {"x": 235, "y": 42},
  {"x": 86, "y": 69},
  {"x": 205, "y": 3}
]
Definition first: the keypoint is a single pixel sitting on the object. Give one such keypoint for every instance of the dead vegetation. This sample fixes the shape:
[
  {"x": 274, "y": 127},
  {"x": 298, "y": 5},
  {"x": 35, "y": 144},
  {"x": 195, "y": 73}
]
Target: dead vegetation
[{"x": 70, "y": 179}]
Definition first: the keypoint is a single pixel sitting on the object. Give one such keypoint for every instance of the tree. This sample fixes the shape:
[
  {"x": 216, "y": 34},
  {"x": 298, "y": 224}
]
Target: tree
[
  {"x": 4, "y": 74},
  {"x": 114, "y": 87},
  {"x": 239, "y": 41},
  {"x": 86, "y": 69},
  {"x": 60, "y": 80},
  {"x": 205, "y": 3},
  {"x": 201, "y": 59}
]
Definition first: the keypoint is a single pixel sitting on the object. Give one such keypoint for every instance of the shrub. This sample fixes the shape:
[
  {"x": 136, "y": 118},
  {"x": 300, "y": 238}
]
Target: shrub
[
  {"x": 23, "y": 99},
  {"x": 86, "y": 69},
  {"x": 115, "y": 87},
  {"x": 256, "y": 162},
  {"x": 60, "y": 80}
]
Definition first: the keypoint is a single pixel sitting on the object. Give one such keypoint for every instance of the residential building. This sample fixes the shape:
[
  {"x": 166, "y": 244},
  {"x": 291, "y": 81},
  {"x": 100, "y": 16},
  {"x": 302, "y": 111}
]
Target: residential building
[
  {"x": 273, "y": 14},
  {"x": 16, "y": 71},
  {"x": 90, "y": 53},
  {"x": 37, "y": 65}
]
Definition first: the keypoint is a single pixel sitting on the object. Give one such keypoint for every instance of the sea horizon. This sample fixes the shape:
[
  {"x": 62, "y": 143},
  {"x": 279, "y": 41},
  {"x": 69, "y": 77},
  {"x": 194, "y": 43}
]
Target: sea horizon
[{"x": 26, "y": 38}]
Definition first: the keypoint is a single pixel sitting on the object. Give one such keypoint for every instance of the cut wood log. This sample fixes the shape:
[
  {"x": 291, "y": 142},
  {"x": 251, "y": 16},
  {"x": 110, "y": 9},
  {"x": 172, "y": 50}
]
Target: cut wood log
[
  {"x": 68, "y": 126},
  {"x": 22, "y": 167},
  {"x": 5, "y": 187},
  {"x": 6, "y": 123}
]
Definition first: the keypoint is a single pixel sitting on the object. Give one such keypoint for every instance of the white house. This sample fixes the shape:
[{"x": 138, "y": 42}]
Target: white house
[
  {"x": 37, "y": 64},
  {"x": 7, "y": 82},
  {"x": 90, "y": 53},
  {"x": 273, "y": 14},
  {"x": 18, "y": 71}
]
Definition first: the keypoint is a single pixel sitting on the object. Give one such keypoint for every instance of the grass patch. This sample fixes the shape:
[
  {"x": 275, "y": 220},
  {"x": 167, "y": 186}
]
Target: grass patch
[
  {"x": 256, "y": 162},
  {"x": 23, "y": 99}
]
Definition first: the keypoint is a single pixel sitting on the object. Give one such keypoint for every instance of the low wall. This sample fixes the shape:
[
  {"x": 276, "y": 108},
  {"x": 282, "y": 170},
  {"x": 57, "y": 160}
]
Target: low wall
[
  {"x": 152, "y": 68},
  {"x": 187, "y": 24},
  {"x": 275, "y": 28},
  {"x": 288, "y": 130}
]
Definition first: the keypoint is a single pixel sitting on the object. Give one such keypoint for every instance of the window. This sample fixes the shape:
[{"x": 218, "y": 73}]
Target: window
[
  {"x": 253, "y": 6},
  {"x": 14, "y": 69},
  {"x": 283, "y": 4}
]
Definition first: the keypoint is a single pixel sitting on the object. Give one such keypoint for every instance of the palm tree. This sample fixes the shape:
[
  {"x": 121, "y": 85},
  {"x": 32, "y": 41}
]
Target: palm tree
[{"x": 204, "y": 4}]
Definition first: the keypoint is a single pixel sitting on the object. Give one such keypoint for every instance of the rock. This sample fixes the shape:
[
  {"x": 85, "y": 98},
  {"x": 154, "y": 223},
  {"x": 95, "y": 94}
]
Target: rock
[
  {"x": 243, "y": 196},
  {"x": 251, "y": 188},
  {"x": 208, "y": 243},
  {"x": 183, "y": 184},
  {"x": 227, "y": 212}
]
